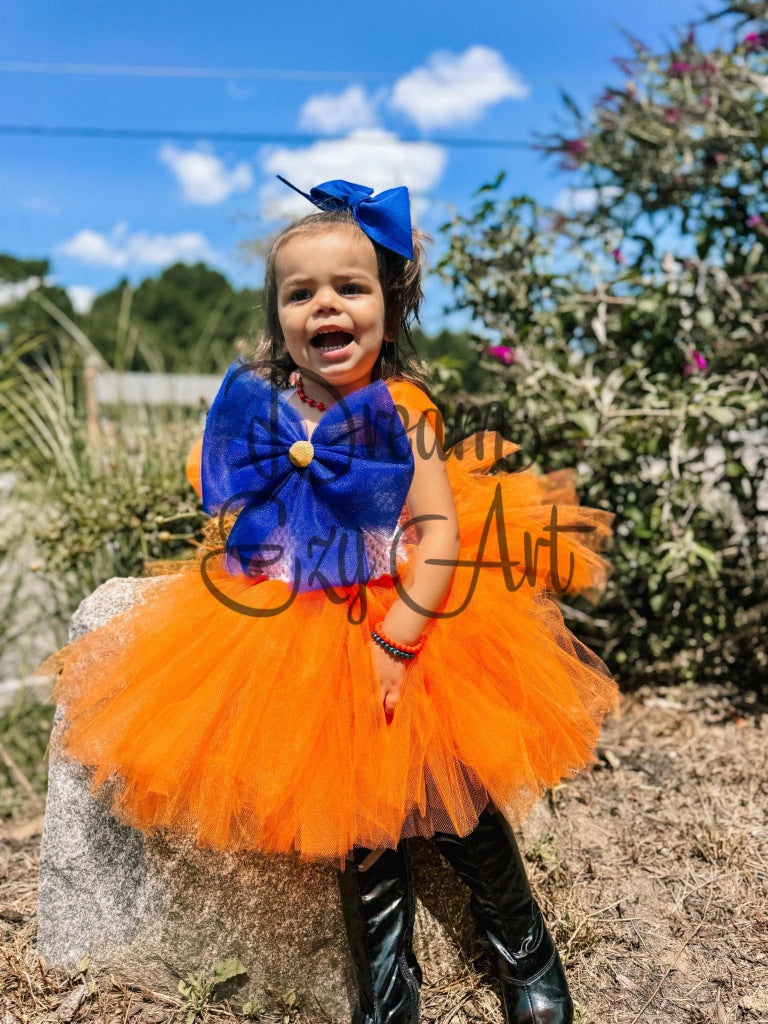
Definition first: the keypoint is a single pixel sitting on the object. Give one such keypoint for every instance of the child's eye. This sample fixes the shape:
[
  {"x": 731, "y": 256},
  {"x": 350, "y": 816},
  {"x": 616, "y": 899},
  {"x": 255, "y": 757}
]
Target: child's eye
[
  {"x": 353, "y": 287},
  {"x": 298, "y": 295}
]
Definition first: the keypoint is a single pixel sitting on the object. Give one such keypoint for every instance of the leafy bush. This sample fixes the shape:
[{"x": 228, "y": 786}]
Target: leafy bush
[
  {"x": 81, "y": 511},
  {"x": 637, "y": 353}
]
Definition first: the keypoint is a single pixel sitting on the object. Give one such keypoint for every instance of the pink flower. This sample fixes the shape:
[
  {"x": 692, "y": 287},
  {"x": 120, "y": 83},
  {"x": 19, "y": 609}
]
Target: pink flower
[
  {"x": 503, "y": 353},
  {"x": 618, "y": 256},
  {"x": 754, "y": 221},
  {"x": 682, "y": 67},
  {"x": 573, "y": 150},
  {"x": 671, "y": 114},
  {"x": 700, "y": 364},
  {"x": 707, "y": 102},
  {"x": 756, "y": 41},
  {"x": 575, "y": 146},
  {"x": 719, "y": 158}
]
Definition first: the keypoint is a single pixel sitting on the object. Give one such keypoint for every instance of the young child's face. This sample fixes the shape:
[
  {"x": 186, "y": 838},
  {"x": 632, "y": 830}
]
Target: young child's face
[{"x": 330, "y": 305}]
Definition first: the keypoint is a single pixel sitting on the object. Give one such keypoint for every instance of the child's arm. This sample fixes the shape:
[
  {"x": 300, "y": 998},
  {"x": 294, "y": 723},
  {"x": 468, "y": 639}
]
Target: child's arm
[{"x": 430, "y": 496}]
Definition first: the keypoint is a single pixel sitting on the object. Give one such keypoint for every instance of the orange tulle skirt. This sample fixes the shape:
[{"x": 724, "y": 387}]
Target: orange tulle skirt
[{"x": 247, "y": 730}]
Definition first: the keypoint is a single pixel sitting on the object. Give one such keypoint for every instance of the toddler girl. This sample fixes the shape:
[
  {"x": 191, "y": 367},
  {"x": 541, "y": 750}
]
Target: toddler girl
[{"x": 372, "y": 652}]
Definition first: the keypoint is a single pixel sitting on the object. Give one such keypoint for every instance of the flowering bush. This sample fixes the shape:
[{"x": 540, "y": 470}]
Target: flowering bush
[{"x": 638, "y": 330}]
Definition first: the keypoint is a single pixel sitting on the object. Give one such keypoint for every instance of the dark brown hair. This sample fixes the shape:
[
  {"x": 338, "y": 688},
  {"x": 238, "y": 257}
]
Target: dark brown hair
[{"x": 400, "y": 281}]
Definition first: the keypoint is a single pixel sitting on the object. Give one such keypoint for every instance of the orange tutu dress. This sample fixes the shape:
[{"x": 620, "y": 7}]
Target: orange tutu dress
[{"x": 240, "y": 705}]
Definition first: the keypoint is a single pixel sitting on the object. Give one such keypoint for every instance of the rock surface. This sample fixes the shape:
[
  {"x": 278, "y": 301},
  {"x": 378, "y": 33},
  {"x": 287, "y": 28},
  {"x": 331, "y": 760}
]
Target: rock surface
[{"x": 152, "y": 913}]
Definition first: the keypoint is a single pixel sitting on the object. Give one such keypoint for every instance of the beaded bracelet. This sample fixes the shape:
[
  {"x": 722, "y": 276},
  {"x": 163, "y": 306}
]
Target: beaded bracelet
[{"x": 399, "y": 650}]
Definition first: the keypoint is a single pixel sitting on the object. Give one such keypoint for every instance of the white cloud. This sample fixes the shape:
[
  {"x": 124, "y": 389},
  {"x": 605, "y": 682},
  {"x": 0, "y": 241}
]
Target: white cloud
[
  {"x": 571, "y": 201},
  {"x": 456, "y": 88},
  {"x": 338, "y": 112},
  {"x": 91, "y": 247},
  {"x": 81, "y": 296},
  {"x": 203, "y": 177},
  {"x": 163, "y": 249},
  {"x": 13, "y": 292},
  {"x": 371, "y": 157},
  {"x": 122, "y": 249}
]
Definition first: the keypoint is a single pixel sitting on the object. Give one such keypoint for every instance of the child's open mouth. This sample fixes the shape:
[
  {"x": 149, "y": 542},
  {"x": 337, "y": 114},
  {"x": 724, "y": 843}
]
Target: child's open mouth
[{"x": 332, "y": 341}]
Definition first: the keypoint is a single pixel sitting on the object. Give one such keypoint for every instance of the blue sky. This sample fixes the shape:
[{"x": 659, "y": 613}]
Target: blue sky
[{"x": 102, "y": 208}]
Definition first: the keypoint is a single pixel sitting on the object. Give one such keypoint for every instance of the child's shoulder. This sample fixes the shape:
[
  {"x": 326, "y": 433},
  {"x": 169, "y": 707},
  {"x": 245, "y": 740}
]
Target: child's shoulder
[{"x": 417, "y": 404}]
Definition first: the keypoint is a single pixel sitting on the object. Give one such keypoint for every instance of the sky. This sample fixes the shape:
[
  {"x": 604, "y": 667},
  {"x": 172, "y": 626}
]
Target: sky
[{"x": 380, "y": 95}]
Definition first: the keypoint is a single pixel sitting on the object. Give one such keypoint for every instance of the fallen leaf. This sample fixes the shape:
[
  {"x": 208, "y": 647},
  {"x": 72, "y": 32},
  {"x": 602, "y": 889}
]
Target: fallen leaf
[{"x": 70, "y": 1003}]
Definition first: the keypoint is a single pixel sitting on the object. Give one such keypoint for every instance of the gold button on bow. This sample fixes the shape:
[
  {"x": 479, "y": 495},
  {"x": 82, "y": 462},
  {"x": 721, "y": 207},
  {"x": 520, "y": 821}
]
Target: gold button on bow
[{"x": 300, "y": 453}]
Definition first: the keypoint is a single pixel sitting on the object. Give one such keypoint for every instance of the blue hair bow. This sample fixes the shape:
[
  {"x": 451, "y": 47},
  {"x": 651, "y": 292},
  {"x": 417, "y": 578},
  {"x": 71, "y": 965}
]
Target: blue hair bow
[{"x": 385, "y": 218}]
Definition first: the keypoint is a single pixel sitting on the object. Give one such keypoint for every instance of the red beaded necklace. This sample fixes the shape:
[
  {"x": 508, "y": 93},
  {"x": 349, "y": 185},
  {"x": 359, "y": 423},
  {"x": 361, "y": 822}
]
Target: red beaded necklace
[{"x": 303, "y": 397}]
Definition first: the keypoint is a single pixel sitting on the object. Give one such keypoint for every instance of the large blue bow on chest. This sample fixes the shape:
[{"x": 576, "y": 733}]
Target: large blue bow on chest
[{"x": 311, "y": 500}]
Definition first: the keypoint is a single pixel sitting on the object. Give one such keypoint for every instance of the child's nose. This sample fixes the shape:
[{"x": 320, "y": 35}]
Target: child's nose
[{"x": 326, "y": 298}]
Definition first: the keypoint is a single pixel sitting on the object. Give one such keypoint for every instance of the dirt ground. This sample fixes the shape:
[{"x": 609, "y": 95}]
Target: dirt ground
[{"x": 651, "y": 869}]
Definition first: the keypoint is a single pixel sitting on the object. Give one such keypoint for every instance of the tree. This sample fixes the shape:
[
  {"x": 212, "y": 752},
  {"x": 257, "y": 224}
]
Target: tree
[
  {"x": 25, "y": 297},
  {"x": 185, "y": 320}
]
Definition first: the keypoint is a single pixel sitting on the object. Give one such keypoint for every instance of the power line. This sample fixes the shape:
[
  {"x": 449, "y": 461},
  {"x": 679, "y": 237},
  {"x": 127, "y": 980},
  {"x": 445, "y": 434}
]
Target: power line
[
  {"x": 261, "y": 74},
  {"x": 149, "y": 71},
  {"x": 219, "y": 136}
]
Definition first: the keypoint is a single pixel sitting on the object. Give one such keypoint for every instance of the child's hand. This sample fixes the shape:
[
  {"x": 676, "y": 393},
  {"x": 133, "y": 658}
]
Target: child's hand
[{"x": 391, "y": 671}]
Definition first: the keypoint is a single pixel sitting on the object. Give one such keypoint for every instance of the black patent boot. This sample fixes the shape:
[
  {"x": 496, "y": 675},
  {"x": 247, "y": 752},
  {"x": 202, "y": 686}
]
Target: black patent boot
[
  {"x": 378, "y": 906},
  {"x": 488, "y": 860}
]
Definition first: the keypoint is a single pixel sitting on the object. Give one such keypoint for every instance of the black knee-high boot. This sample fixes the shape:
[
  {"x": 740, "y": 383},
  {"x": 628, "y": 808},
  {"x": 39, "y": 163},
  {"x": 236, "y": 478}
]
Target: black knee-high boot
[
  {"x": 488, "y": 860},
  {"x": 378, "y": 907}
]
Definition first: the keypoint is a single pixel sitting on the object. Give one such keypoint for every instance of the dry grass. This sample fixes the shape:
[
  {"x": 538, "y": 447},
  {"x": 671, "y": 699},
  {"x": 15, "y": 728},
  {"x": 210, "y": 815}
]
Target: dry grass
[{"x": 652, "y": 871}]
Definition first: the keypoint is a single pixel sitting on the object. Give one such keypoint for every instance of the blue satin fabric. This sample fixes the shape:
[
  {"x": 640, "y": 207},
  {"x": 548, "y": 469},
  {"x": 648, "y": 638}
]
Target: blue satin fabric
[
  {"x": 356, "y": 481},
  {"x": 386, "y": 218}
]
